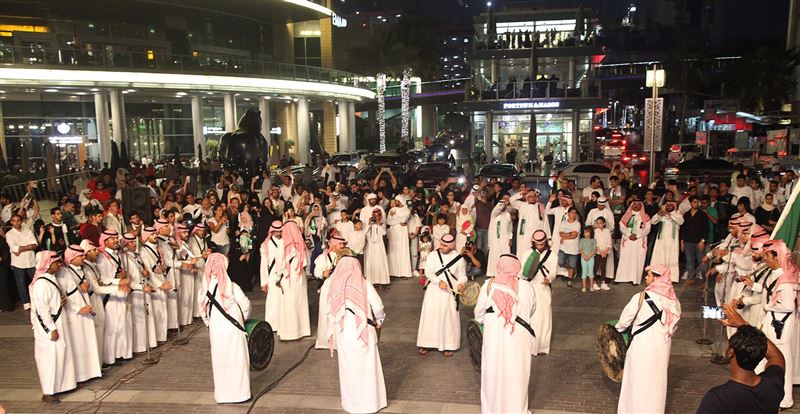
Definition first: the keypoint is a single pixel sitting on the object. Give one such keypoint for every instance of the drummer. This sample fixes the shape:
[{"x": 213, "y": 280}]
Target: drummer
[
  {"x": 539, "y": 266},
  {"x": 323, "y": 267},
  {"x": 439, "y": 323},
  {"x": 225, "y": 310},
  {"x": 505, "y": 307},
  {"x": 652, "y": 316}
]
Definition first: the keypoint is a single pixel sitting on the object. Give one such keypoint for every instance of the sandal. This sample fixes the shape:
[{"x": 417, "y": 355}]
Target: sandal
[{"x": 422, "y": 351}]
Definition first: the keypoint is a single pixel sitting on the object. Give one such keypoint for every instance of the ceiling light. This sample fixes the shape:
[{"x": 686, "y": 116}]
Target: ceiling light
[{"x": 51, "y": 90}]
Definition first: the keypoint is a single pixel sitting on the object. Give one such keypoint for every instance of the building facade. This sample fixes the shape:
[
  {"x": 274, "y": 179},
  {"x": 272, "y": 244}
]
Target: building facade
[
  {"x": 170, "y": 77},
  {"x": 531, "y": 63}
]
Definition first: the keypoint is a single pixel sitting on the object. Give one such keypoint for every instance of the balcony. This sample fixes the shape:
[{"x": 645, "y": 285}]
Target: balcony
[
  {"x": 519, "y": 44},
  {"x": 546, "y": 94},
  {"x": 150, "y": 61}
]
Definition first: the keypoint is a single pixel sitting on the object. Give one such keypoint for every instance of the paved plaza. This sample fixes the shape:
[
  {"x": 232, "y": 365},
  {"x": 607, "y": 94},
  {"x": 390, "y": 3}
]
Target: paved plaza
[{"x": 567, "y": 380}]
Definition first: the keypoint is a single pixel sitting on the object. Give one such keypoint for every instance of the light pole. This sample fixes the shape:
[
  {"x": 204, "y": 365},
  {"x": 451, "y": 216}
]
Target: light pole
[{"x": 655, "y": 79}]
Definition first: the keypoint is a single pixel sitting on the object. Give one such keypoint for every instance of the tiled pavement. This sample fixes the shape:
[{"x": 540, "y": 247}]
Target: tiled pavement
[{"x": 567, "y": 380}]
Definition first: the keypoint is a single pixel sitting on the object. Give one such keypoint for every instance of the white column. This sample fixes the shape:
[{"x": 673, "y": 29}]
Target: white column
[
  {"x": 487, "y": 137},
  {"x": 351, "y": 126},
  {"x": 576, "y": 122},
  {"x": 266, "y": 119},
  {"x": 101, "y": 118},
  {"x": 197, "y": 126},
  {"x": 303, "y": 132},
  {"x": 344, "y": 126},
  {"x": 229, "y": 103},
  {"x": 117, "y": 117}
]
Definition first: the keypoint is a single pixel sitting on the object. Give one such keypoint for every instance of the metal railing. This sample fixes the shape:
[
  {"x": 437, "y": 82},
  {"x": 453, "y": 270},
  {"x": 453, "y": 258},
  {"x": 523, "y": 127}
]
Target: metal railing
[
  {"x": 532, "y": 90},
  {"x": 525, "y": 40},
  {"x": 43, "y": 188},
  {"x": 159, "y": 60}
]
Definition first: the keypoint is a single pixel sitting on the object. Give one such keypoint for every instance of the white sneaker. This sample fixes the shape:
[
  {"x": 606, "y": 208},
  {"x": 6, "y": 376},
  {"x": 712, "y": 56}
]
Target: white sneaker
[
  {"x": 685, "y": 275},
  {"x": 26, "y": 306},
  {"x": 604, "y": 286},
  {"x": 595, "y": 287},
  {"x": 583, "y": 290},
  {"x": 415, "y": 273}
]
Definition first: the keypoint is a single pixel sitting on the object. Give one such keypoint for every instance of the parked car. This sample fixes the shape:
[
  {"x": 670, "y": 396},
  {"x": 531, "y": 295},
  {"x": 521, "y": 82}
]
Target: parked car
[
  {"x": 369, "y": 173},
  {"x": 347, "y": 159},
  {"x": 505, "y": 172},
  {"x": 583, "y": 172},
  {"x": 614, "y": 148},
  {"x": 717, "y": 168},
  {"x": 748, "y": 157},
  {"x": 633, "y": 158},
  {"x": 297, "y": 172},
  {"x": 431, "y": 173},
  {"x": 386, "y": 159}
]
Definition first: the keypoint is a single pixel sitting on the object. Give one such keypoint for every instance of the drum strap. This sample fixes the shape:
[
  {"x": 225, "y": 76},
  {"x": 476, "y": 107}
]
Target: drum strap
[
  {"x": 369, "y": 321},
  {"x": 446, "y": 270},
  {"x": 540, "y": 266},
  {"x": 212, "y": 298},
  {"x": 519, "y": 320},
  {"x": 651, "y": 320},
  {"x": 778, "y": 324},
  {"x": 60, "y": 308}
]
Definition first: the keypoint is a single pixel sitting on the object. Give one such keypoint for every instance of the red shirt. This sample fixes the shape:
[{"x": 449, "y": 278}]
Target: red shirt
[{"x": 101, "y": 195}]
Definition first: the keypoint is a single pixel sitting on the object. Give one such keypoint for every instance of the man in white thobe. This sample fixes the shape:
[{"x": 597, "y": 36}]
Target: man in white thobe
[
  {"x": 666, "y": 250},
  {"x": 505, "y": 309},
  {"x": 355, "y": 315},
  {"x": 634, "y": 226},
  {"x": 167, "y": 247},
  {"x": 652, "y": 315},
  {"x": 53, "y": 358},
  {"x": 539, "y": 267},
  {"x": 117, "y": 338},
  {"x": 144, "y": 326},
  {"x": 199, "y": 248},
  {"x": 79, "y": 314},
  {"x": 230, "y": 358},
  {"x": 604, "y": 211},
  {"x": 96, "y": 293},
  {"x": 273, "y": 269},
  {"x": 531, "y": 218},
  {"x": 439, "y": 322},
  {"x": 366, "y": 212},
  {"x": 153, "y": 262},
  {"x": 500, "y": 233},
  {"x": 323, "y": 267},
  {"x": 399, "y": 254}
]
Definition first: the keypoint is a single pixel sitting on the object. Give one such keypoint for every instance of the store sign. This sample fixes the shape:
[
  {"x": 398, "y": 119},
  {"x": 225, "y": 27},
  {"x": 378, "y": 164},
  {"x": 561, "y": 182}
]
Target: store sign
[
  {"x": 212, "y": 130},
  {"x": 338, "y": 21},
  {"x": 63, "y": 128},
  {"x": 531, "y": 105},
  {"x": 66, "y": 140},
  {"x": 276, "y": 131}
]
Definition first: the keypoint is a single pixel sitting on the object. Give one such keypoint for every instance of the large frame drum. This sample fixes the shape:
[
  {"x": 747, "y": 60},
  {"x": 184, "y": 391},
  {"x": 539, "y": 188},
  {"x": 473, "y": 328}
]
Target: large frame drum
[{"x": 260, "y": 343}]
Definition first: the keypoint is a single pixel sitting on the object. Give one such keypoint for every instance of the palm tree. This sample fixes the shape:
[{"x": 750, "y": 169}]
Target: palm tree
[{"x": 763, "y": 79}]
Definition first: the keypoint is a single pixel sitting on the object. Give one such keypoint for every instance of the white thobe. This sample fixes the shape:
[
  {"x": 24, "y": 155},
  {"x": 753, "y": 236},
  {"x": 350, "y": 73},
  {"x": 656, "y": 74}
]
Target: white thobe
[
  {"x": 170, "y": 260},
  {"x": 323, "y": 263},
  {"x": 753, "y": 311},
  {"x": 366, "y": 213},
  {"x": 632, "y": 253},
  {"x": 500, "y": 232},
  {"x": 96, "y": 292},
  {"x": 376, "y": 265},
  {"x": 143, "y": 325},
  {"x": 197, "y": 246},
  {"x": 186, "y": 288},
  {"x": 54, "y": 360},
  {"x": 465, "y": 225},
  {"x": 778, "y": 310},
  {"x": 437, "y": 232},
  {"x": 360, "y": 372},
  {"x": 357, "y": 242},
  {"x": 230, "y": 358},
  {"x": 644, "y": 385},
  {"x": 117, "y": 337},
  {"x": 82, "y": 337},
  {"x": 152, "y": 260},
  {"x": 399, "y": 254},
  {"x": 506, "y": 351},
  {"x": 414, "y": 226},
  {"x": 344, "y": 228},
  {"x": 605, "y": 213},
  {"x": 439, "y": 322},
  {"x": 531, "y": 218},
  {"x": 273, "y": 268},
  {"x": 542, "y": 321},
  {"x": 293, "y": 318},
  {"x": 560, "y": 215},
  {"x": 666, "y": 250}
]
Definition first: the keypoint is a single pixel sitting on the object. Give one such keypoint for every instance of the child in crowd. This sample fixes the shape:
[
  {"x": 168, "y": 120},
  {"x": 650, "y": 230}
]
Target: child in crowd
[
  {"x": 604, "y": 259},
  {"x": 439, "y": 229},
  {"x": 356, "y": 239},
  {"x": 588, "y": 248},
  {"x": 425, "y": 247}
]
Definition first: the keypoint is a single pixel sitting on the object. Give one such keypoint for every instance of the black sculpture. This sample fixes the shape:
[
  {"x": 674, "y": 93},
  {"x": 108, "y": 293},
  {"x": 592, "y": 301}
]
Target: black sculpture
[{"x": 245, "y": 150}]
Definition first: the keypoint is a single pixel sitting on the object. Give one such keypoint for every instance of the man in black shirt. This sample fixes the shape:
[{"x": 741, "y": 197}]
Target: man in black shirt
[
  {"x": 746, "y": 392},
  {"x": 475, "y": 259},
  {"x": 693, "y": 233}
]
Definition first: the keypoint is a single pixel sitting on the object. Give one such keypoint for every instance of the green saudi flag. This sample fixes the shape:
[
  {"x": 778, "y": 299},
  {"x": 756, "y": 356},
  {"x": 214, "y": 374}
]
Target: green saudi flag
[{"x": 787, "y": 227}]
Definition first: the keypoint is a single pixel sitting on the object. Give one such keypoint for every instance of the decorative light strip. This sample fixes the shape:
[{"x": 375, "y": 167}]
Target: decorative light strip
[
  {"x": 149, "y": 80},
  {"x": 380, "y": 86},
  {"x": 405, "y": 90}
]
